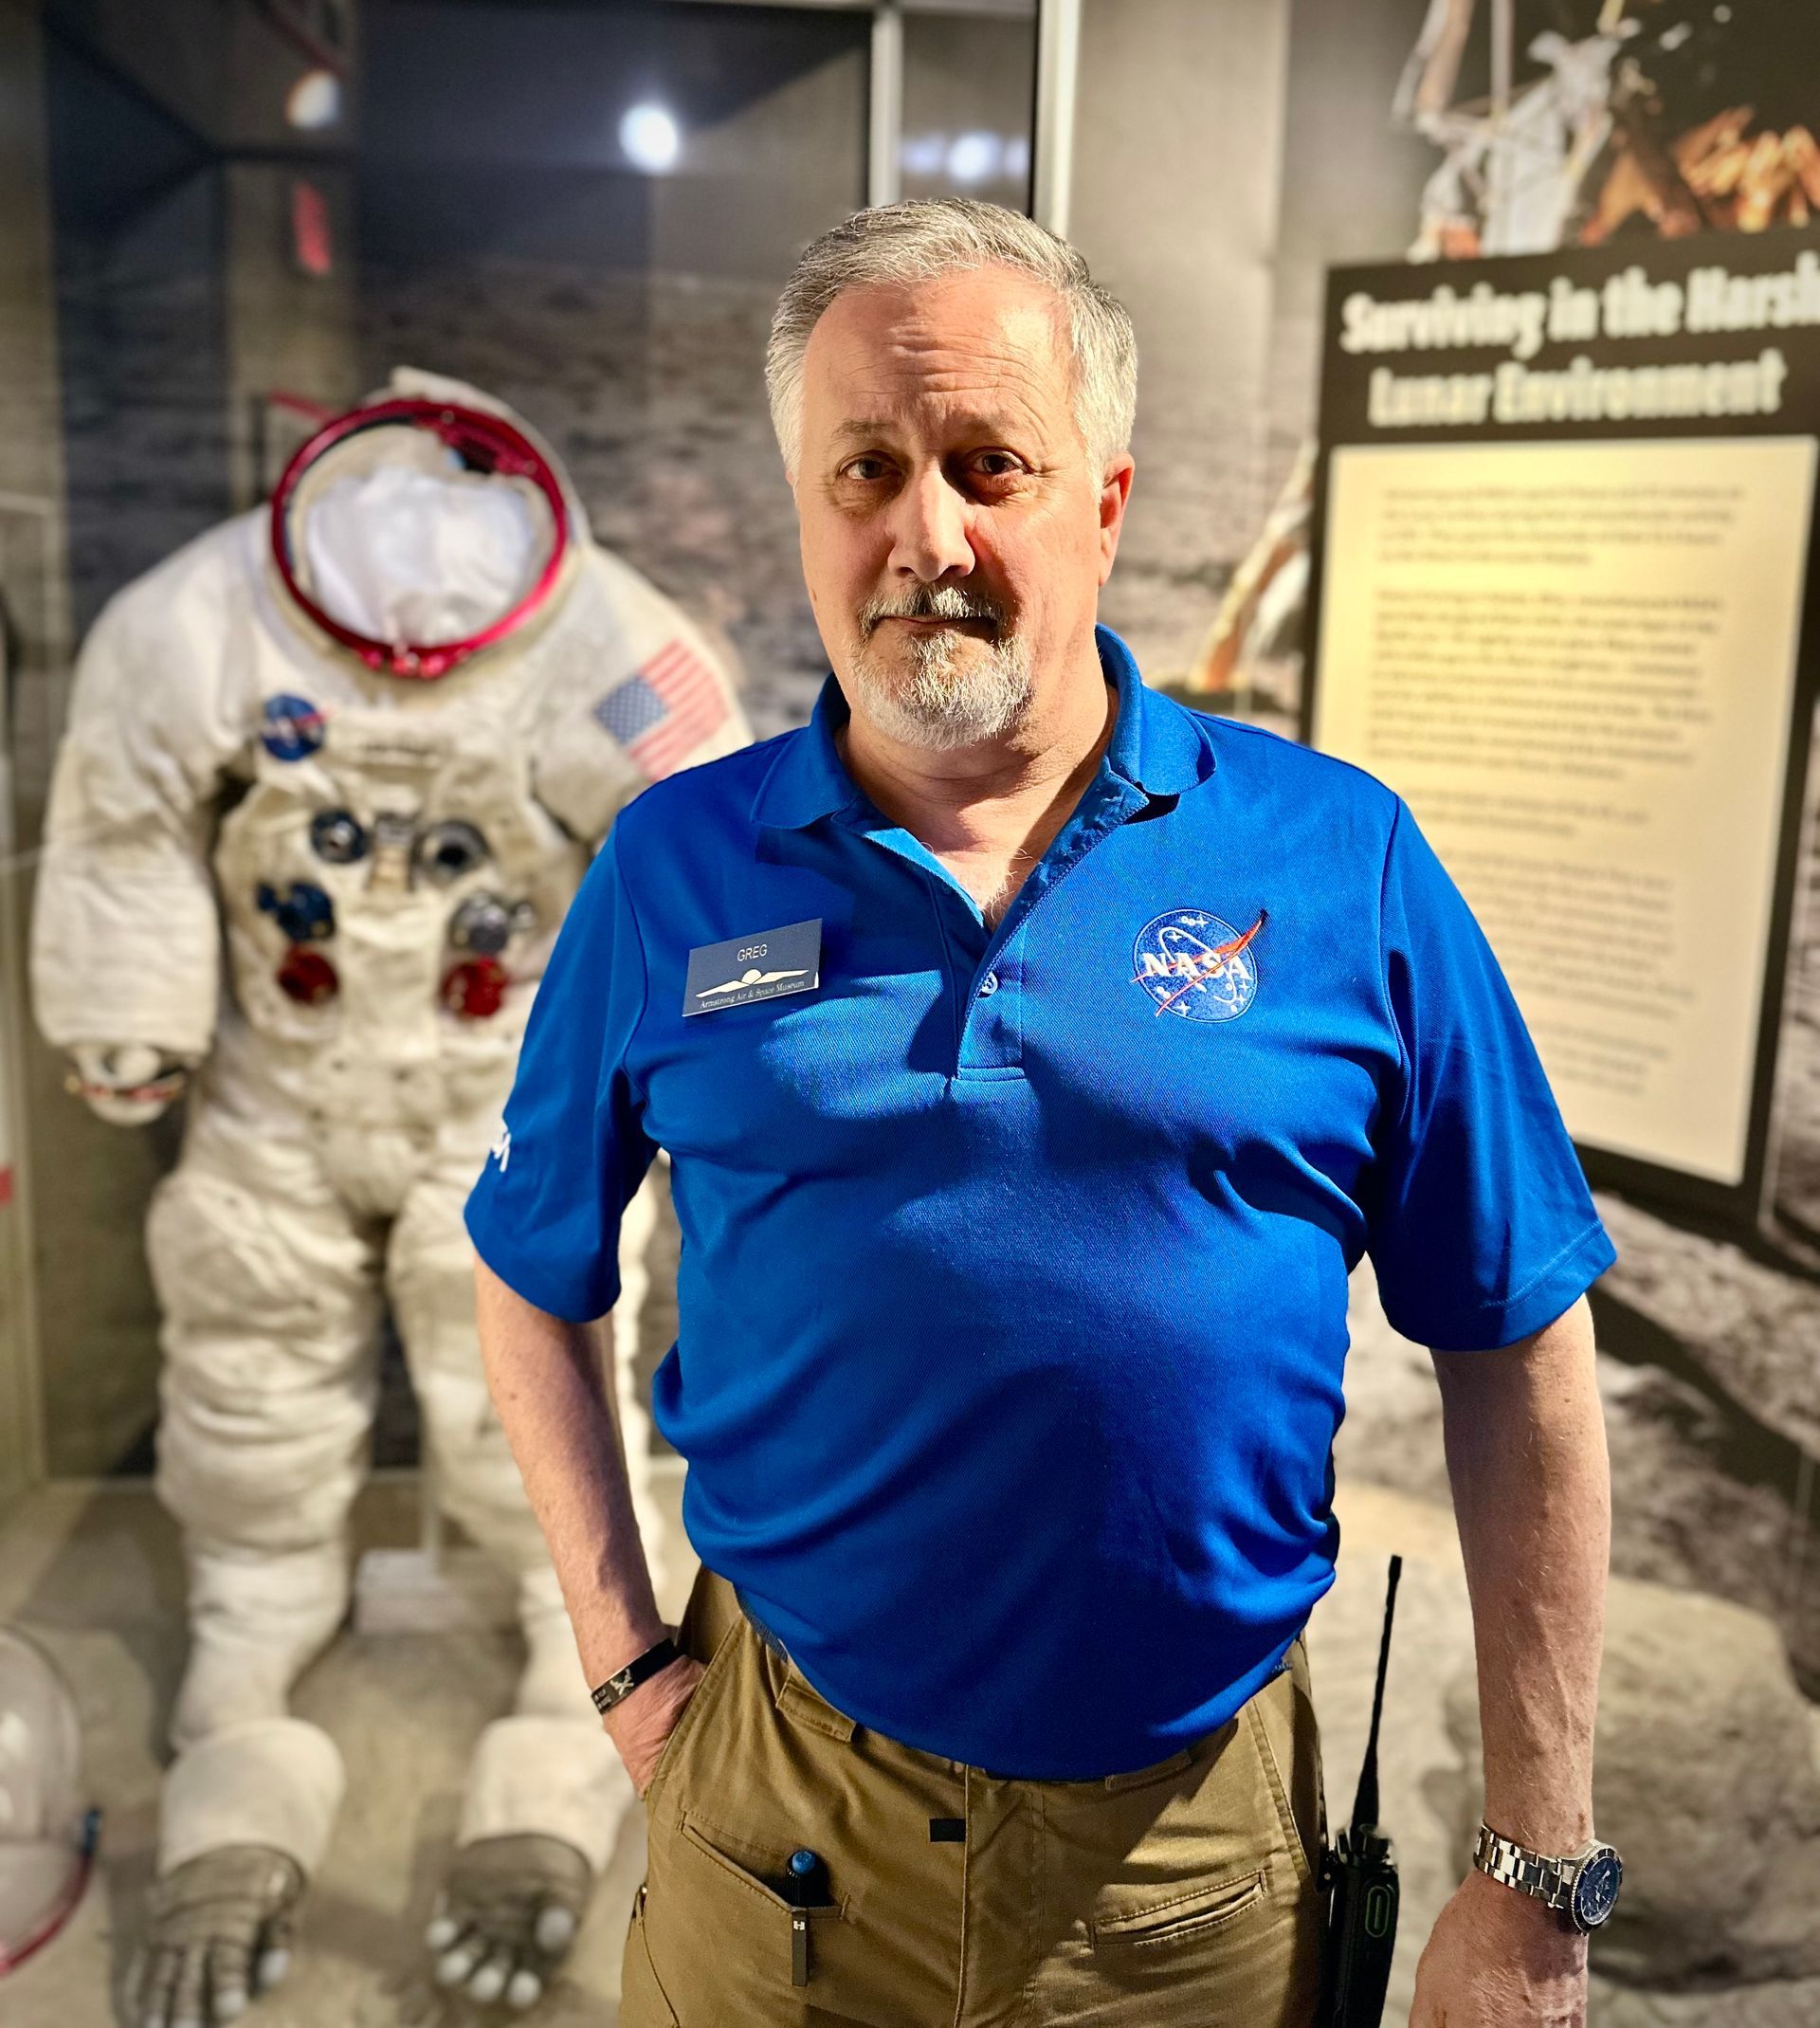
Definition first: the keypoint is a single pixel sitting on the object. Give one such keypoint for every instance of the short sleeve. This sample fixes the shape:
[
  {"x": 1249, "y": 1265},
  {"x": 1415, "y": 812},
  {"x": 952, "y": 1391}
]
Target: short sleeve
[
  {"x": 1482, "y": 1228},
  {"x": 572, "y": 1150}
]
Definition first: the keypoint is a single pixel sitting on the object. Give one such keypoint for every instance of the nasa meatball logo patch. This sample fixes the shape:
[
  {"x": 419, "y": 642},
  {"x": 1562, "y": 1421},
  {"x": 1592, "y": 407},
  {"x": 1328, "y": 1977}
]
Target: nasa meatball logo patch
[
  {"x": 1196, "y": 964},
  {"x": 294, "y": 727}
]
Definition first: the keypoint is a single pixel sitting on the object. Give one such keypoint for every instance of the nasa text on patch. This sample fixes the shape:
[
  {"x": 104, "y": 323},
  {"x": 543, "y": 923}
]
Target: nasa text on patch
[
  {"x": 1194, "y": 963},
  {"x": 763, "y": 966}
]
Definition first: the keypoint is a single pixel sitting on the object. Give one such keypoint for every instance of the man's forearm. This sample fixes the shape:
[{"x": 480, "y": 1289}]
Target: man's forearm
[
  {"x": 1526, "y": 1439},
  {"x": 547, "y": 1385}
]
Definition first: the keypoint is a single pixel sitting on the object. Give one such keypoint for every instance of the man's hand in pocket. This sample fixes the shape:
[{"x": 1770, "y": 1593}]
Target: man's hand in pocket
[{"x": 640, "y": 1724}]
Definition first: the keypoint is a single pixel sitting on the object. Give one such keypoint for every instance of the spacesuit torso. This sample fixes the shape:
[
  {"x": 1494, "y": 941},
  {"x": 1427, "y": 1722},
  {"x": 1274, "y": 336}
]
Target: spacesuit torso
[{"x": 395, "y": 856}]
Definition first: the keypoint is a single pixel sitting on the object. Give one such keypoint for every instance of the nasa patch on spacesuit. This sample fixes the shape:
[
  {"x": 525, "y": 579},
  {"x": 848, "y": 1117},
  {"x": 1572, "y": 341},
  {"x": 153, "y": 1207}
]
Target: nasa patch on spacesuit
[
  {"x": 292, "y": 729},
  {"x": 1196, "y": 964}
]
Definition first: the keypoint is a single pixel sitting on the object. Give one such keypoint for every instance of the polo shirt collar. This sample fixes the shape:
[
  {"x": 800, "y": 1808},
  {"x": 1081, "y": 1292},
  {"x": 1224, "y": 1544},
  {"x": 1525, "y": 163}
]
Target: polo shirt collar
[{"x": 1157, "y": 746}]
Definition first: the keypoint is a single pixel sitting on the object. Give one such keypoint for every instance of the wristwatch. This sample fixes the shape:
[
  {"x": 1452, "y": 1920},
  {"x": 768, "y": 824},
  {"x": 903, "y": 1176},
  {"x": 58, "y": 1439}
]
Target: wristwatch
[
  {"x": 1583, "y": 1886},
  {"x": 660, "y": 1654}
]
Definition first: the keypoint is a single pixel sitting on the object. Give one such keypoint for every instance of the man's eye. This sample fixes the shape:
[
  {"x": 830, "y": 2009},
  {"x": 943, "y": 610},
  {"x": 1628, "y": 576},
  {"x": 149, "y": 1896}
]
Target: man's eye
[
  {"x": 996, "y": 465},
  {"x": 865, "y": 469}
]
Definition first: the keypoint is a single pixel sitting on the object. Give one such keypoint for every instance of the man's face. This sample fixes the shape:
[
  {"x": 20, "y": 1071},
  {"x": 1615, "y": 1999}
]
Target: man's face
[{"x": 954, "y": 537}]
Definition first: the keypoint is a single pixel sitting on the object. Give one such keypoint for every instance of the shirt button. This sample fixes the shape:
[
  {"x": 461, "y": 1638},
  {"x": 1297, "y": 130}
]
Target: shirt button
[{"x": 989, "y": 985}]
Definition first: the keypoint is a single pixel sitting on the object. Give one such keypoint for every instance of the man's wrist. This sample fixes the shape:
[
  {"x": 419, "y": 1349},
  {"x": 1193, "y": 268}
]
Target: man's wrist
[
  {"x": 657, "y": 1654},
  {"x": 1531, "y": 1925},
  {"x": 1579, "y": 1888},
  {"x": 1553, "y": 1827},
  {"x": 646, "y": 1718}
]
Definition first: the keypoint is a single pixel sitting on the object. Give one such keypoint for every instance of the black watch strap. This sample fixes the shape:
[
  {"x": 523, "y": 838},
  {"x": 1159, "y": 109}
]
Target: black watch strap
[{"x": 660, "y": 1654}]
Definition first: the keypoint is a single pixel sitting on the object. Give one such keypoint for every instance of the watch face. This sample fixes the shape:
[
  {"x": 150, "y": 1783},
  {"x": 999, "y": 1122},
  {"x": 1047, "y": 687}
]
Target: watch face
[{"x": 1595, "y": 1892}]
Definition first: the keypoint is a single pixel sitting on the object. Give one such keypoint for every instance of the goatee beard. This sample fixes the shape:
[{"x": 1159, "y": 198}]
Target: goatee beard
[{"x": 946, "y": 697}]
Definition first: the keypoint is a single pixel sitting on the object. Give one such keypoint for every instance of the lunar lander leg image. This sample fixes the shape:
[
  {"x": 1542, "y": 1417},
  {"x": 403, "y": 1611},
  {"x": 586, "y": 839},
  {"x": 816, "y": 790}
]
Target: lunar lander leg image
[{"x": 363, "y": 743}]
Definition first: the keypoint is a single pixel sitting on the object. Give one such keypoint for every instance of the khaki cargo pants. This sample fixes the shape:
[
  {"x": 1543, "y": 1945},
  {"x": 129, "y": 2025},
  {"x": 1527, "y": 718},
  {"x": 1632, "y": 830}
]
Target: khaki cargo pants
[{"x": 1182, "y": 1893}]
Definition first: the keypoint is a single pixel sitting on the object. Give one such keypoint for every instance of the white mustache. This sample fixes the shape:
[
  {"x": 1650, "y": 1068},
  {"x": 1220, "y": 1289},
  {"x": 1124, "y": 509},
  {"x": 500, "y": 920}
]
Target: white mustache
[{"x": 933, "y": 602}]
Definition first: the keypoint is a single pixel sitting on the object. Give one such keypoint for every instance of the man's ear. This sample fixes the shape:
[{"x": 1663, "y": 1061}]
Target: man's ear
[{"x": 1115, "y": 496}]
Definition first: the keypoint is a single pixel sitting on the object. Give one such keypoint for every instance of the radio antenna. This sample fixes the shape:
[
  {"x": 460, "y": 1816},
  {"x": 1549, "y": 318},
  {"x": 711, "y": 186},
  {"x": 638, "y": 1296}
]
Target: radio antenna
[{"x": 1365, "y": 1804}]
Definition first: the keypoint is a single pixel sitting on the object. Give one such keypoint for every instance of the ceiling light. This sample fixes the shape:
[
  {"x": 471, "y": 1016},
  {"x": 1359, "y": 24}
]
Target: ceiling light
[
  {"x": 314, "y": 100},
  {"x": 652, "y": 138},
  {"x": 975, "y": 157}
]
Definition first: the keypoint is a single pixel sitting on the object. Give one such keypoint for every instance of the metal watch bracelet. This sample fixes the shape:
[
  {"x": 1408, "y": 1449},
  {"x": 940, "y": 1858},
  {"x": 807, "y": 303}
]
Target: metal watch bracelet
[
  {"x": 1583, "y": 1887},
  {"x": 621, "y": 1684}
]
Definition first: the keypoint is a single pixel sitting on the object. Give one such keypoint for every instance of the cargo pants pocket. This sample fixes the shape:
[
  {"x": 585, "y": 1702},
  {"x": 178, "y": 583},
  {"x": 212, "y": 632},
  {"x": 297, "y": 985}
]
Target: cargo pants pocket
[
  {"x": 1182, "y": 1898},
  {"x": 727, "y": 1949}
]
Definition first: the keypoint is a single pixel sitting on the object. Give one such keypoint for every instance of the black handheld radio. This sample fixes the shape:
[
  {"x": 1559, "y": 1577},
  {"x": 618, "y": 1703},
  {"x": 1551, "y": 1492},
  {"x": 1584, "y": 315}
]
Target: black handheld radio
[{"x": 1359, "y": 1877}]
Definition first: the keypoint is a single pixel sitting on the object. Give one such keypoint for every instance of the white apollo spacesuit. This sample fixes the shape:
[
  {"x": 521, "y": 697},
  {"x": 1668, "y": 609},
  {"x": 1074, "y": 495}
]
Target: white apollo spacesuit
[{"x": 383, "y": 841}]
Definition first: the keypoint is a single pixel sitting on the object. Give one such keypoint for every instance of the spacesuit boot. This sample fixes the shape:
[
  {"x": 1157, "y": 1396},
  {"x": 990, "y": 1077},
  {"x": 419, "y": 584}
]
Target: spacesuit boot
[
  {"x": 248, "y": 1804},
  {"x": 547, "y": 1795},
  {"x": 405, "y": 827},
  {"x": 218, "y": 1935}
]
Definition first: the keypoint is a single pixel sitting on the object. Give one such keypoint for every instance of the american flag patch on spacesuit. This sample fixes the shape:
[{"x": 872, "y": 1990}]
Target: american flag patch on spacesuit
[{"x": 661, "y": 714}]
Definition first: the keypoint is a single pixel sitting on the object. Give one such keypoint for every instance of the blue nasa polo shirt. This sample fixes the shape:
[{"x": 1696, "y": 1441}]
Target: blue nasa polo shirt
[{"x": 1012, "y": 1296}]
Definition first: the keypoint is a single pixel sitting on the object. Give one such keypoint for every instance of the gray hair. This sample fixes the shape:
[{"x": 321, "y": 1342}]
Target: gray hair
[{"x": 924, "y": 240}]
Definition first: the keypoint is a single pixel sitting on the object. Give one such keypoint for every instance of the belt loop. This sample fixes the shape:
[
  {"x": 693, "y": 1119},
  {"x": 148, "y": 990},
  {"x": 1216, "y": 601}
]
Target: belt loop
[
  {"x": 1155, "y": 1772},
  {"x": 795, "y": 1696},
  {"x": 712, "y": 1614},
  {"x": 798, "y": 1699}
]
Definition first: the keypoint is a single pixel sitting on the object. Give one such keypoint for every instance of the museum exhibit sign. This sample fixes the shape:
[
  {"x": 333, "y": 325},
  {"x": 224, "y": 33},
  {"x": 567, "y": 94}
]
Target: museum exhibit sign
[{"x": 1564, "y": 534}]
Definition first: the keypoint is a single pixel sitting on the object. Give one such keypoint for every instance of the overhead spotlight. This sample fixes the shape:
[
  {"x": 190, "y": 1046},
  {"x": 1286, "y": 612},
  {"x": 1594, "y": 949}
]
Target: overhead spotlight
[
  {"x": 975, "y": 157},
  {"x": 652, "y": 138},
  {"x": 314, "y": 100}
]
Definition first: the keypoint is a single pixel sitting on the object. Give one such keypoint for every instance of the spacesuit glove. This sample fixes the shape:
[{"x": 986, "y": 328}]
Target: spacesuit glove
[
  {"x": 127, "y": 1084},
  {"x": 508, "y": 1913},
  {"x": 218, "y": 1933}
]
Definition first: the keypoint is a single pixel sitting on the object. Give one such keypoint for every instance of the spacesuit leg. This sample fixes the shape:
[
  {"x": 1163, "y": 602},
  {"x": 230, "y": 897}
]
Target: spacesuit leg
[
  {"x": 549, "y": 1768},
  {"x": 637, "y": 1231},
  {"x": 271, "y": 1311},
  {"x": 546, "y": 1790}
]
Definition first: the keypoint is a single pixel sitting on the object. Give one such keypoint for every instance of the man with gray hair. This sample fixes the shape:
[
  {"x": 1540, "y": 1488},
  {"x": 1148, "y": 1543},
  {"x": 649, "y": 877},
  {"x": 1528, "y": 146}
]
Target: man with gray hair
[{"x": 1036, "y": 1058}]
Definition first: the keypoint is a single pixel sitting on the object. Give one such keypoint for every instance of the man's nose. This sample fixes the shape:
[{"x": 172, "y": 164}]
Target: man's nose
[{"x": 929, "y": 538}]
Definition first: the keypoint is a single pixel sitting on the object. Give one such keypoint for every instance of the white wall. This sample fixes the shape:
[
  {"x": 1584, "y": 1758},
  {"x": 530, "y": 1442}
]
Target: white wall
[{"x": 1178, "y": 142}]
